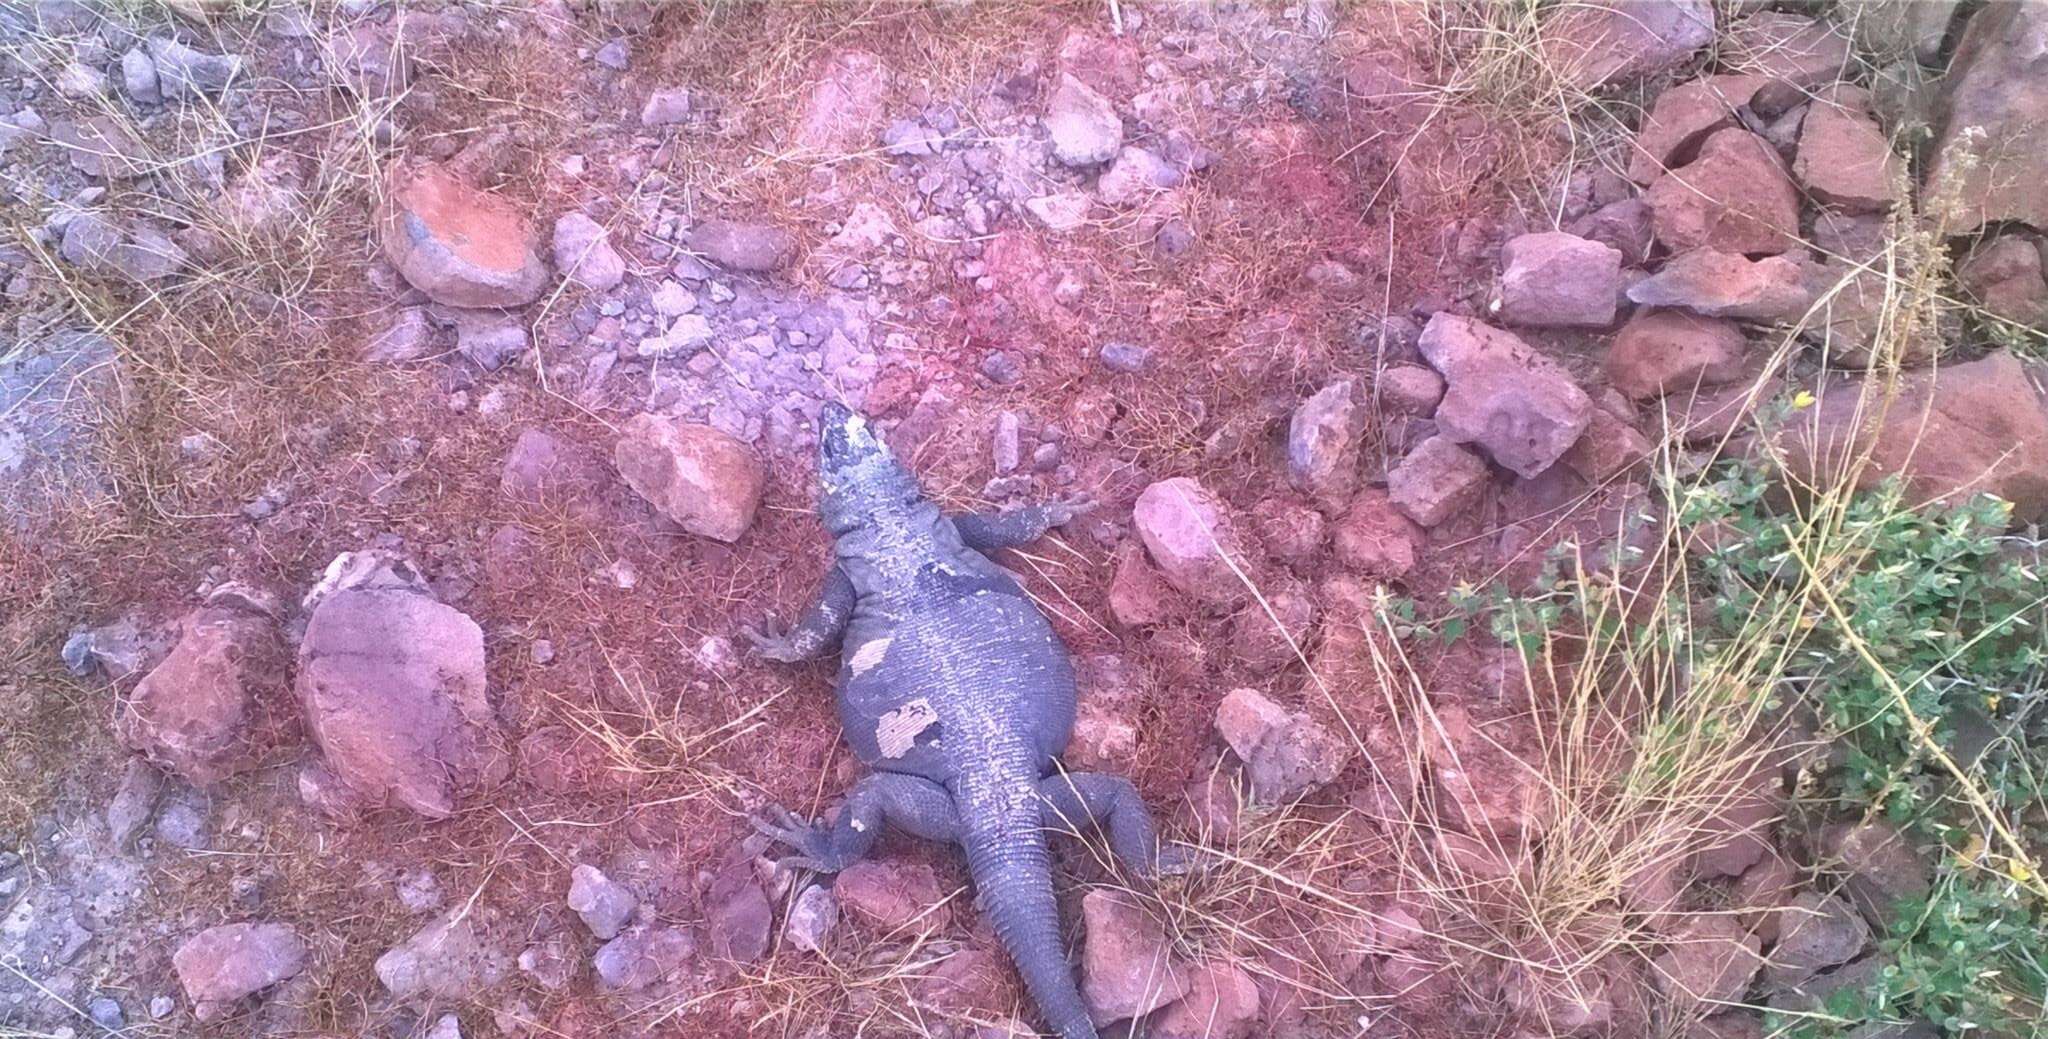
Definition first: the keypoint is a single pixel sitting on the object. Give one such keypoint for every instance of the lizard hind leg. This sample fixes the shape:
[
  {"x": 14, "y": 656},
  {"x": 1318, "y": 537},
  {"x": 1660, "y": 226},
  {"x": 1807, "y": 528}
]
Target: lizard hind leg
[
  {"x": 915, "y": 805},
  {"x": 1076, "y": 799}
]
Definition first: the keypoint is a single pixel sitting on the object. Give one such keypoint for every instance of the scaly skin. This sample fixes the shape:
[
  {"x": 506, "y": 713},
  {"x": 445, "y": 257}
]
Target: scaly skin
[{"x": 955, "y": 690}]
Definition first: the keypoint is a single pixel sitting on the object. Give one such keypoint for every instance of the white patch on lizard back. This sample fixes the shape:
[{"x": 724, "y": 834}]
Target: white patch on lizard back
[
  {"x": 868, "y": 655},
  {"x": 897, "y": 730}
]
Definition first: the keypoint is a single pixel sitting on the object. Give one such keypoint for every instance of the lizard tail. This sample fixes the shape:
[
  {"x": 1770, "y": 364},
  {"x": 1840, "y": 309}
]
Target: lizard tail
[{"x": 1007, "y": 857}]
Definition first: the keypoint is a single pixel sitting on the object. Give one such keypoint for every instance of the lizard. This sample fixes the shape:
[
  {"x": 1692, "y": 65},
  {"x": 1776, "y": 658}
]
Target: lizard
[{"x": 958, "y": 695}]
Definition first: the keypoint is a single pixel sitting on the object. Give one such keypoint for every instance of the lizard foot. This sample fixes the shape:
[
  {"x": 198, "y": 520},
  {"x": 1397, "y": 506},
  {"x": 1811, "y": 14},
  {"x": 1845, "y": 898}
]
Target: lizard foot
[
  {"x": 812, "y": 841},
  {"x": 1062, "y": 510},
  {"x": 778, "y": 647}
]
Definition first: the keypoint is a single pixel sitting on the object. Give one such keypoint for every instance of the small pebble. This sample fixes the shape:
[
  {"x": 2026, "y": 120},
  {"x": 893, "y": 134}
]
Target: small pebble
[
  {"x": 1125, "y": 357},
  {"x": 543, "y": 651},
  {"x": 106, "y": 1013},
  {"x": 160, "y": 1007},
  {"x": 613, "y": 55},
  {"x": 1001, "y": 367}
]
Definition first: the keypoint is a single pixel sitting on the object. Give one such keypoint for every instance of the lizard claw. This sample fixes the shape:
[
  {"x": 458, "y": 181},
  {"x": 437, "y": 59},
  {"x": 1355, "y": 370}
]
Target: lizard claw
[
  {"x": 811, "y": 841},
  {"x": 777, "y": 647},
  {"x": 1063, "y": 509}
]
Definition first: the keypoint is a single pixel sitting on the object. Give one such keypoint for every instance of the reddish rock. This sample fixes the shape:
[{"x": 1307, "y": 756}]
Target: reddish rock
[
  {"x": 1436, "y": 481},
  {"x": 1103, "y": 740},
  {"x": 1505, "y": 397},
  {"x": 1323, "y": 441},
  {"x": 1376, "y": 539},
  {"x": 1268, "y": 636},
  {"x": 583, "y": 251},
  {"x": 1815, "y": 932},
  {"x": 1710, "y": 959},
  {"x": 102, "y": 146},
  {"x": 703, "y": 479},
  {"x": 1600, "y": 42},
  {"x": 222, "y": 964},
  {"x": 1793, "y": 53},
  {"x": 1610, "y": 446},
  {"x": 887, "y": 896},
  {"x": 1682, "y": 117},
  {"x": 1845, "y": 160},
  {"x": 742, "y": 245},
  {"x": 1409, "y": 389},
  {"x": 738, "y": 918},
  {"x": 1189, "y": 536},
  {"x": 459, "y": 245},
  {"x": 1556, "y": 280},
  {"x": 1974, "y": 427},
  {"x": 2004, "y": 275},
  {"x": 1127, "y": 966},
  {"x": 1222, "y": 1003},
  {"x": 1138, "y": 595},
  {"x": 1723, "y": 284},
  {"x": 1737, "y": 835},
  {"x": 1289, "y": 531},
  {"x": 542, "y": 469},
  {"x": 1990, "y": 157},
  {"x": 972, "y": 981},
  {"x": 1286, "y": 754},
  {"x": 216, "y": 705},
  {"x": 1880, "y": 866},
  {"x": 1484, "y": 787},
  {"x": 844, "y": 109},
  {"x": 392, "y": 684},
  {"x": 1760, "y": 891},
  {"x": 1734, "y": 197},
  {"x": 1658, "y": 351}
]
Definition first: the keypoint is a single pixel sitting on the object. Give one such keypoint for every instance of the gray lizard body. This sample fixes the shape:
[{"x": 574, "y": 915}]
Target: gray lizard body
[{"x": 954, "y": 689}]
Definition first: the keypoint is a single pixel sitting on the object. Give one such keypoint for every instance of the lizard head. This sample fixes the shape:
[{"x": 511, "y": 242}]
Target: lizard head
[{"x": 859, "y": 479}]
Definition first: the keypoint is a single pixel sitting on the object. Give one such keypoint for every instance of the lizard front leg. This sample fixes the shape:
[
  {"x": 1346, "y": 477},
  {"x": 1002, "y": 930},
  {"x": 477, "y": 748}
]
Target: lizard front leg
[
  {"x": 988, "y": 531},
  {"x": 912, "y": 804},
  {"x": 1077, "y": 799},
  {"x": 817, "y": 631}
]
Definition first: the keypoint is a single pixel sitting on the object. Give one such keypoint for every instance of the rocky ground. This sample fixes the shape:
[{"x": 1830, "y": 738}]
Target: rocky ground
[{"x": 404, "y": 407}]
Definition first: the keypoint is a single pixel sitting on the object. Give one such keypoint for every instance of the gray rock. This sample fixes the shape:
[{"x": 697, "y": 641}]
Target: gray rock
[
  {"x": 134, "y": 801},
  {"x": 1135, "y": 176},
  {"x": 1190, "y": 536},
  {"x": 1286, "y": 753},
  {"x": 1323, "y": 442},
  {"x": 491, "y": 338},
  {"x": 666, "y": 107},
  {"x": 641, "y": 958},
  {"x": 604, "y": 904},
  {"x": 182, "y": 820},
  {"x": 448, "y": 959},
  {"x": 1129, "y": 358},
  {"x": 1553, "y": 279},
  {"x": 49, "y": 391},
  {"x": 811, "y": 918},
  {"x": 184, "y": 73},
  {"x": 106, "y": 1012},
  {"x": 1517, "y": 405},
  {"x": 1083, "y": 124},
  {"x": 614, "y": 55},
  {"x": 1007, "y": 448},
  {"x": 583, "y": 251},
  {"x": 160, "y": 1007},
  {"x": 222, "y": 964},
  {"x": 408, "y": 337},
  {"x": 138, "y": 77},
  {"x": 1002, "y": 367},
  {"x": 671, "y": 299},
  {"x": 742, "y": 246},
  {"x": 908, "y": 138},
  {"x": 102, "y": 146}
]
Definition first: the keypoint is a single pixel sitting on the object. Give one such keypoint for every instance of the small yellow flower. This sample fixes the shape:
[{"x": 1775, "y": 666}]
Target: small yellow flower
[
  {"x": 1802, "y": 399},
  {"x": 2018, "y": 870}
]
